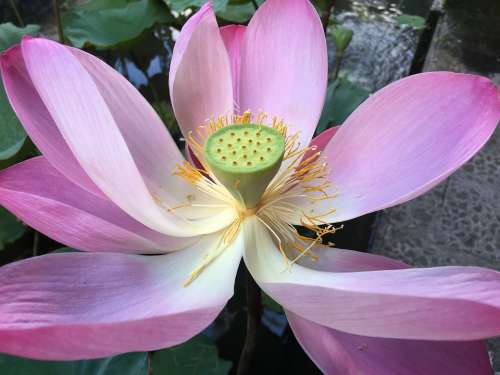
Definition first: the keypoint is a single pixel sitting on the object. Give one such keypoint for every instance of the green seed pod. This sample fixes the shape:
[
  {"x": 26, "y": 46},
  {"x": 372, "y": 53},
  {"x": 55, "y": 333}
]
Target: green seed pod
[{"x": 245, "y": 158}]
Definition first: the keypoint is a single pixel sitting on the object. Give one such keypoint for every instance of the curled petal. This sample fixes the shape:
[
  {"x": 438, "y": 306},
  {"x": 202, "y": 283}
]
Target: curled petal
[
  {"x": 83, "y": 305},
  {"x": 284, "y": 65},
  {"x": 43, "y": 198},
  {"x": 421, "y": 304},
  {"x": 102, "y": 147},
  {"x": 340, "y": 353}
]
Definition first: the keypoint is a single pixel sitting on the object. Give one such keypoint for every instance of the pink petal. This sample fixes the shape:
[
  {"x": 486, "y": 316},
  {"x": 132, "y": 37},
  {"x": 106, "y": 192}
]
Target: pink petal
[
  {"x": 319, "y": 142},
  {"x": 284, "y": 65},
  {"x": 407, "y": 138},
  {"x": 37, "y": 120},
  {"x": 336, "y": 352},
  {"x": 444, "y": 303},
  {"x": 87, "y": 124},
  {"x": 83, "y": 305},
  {"x": 232, "y": 35},
  {"x": 200, "y": 73},
  {"x": 43, "y": 198}
]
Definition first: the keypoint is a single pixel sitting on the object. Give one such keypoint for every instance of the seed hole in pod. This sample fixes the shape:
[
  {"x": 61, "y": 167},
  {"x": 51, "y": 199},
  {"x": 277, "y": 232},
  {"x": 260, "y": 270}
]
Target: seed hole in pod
[
  {"x": 245, "y": 156},
  {"x": 258, "y": 134},
  {"x": 245, "y": 132},
  {"x": 244, "y": 147},
  {"x": 268, "y": 139},
  {"x": 269, "y": 149},
  {"x": 254, "y": 151},
  {"x": 219, "y": 150},
  {"x": 232, "y": 134},
  {"x": 249, "y": 163},
  {"x": 261, "y": 158},
  {"x": 250, "y": 141},
  {"x": 235, "y": 163},
  {"x": 224, "y": 158},
  {"x": 229, "y": 145},
  {"x": 234, "y": 152},
  {"x": 221, "y": 140},
  {"x": 258, "y": 143},
  {"x": 238, "y": 139}
]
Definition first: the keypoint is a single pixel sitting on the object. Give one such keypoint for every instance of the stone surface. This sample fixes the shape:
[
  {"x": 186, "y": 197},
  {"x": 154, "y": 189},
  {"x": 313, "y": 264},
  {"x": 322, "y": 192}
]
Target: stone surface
[
  {"x": 381, "y": 51},
  {"x": 458, "y": 222}
]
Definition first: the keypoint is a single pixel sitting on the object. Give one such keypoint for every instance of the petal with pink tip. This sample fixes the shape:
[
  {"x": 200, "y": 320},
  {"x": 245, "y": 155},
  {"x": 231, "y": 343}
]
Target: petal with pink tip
[
  {"x": 44, "y": 199},
  {"x": 84, "y": 305},
  {"x": 87, "y": 124},
  {"x": 444, "y": 303},
  {"x": 37, "y": 120},
  {"x": 200, "y": 73},
  {"x": 406, "y": 138},
  {"x": 336, "y": 352},
  {"x": 284, "y": 65},
  {"x": 232, "y": 35}
]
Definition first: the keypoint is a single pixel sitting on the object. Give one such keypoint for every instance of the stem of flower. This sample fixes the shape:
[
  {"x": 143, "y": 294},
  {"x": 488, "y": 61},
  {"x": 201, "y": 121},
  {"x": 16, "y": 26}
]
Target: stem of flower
[
  {"x": 254, "y": 307},
  {"x": 326, "y": 11},
  {"x": 57, "y": 14},
  {"x": 36, "y": 240},
  {"x": 338, "y": 62},
  {"x": 16, "y": 13}
]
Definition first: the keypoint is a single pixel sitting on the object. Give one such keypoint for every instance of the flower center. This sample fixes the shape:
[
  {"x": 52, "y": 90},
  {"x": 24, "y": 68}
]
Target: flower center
[
  {"x": 257, "y": 169},
  {"x": 245, "y": 158}
]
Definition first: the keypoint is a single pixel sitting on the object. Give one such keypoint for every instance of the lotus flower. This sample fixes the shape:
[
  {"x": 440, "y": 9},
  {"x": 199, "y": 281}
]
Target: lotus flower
[{"x": 112, "y": 182}]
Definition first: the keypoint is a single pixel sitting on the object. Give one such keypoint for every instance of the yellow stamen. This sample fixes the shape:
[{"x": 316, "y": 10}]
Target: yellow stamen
[{"x": 303, "y": 176}]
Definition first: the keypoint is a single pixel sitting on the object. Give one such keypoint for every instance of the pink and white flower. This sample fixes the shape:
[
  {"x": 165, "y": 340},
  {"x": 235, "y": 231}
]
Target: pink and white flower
[{"x": 112, "y": 182}]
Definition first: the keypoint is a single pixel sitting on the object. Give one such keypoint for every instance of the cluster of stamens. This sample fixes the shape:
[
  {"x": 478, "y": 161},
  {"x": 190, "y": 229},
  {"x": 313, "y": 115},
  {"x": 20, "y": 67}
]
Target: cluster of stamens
[{"x": 302, "y": 177}]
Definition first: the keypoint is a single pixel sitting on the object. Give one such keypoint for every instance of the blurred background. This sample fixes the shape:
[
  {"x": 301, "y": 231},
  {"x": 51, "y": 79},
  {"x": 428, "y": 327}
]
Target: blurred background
[{"x": 371, "y": 43}]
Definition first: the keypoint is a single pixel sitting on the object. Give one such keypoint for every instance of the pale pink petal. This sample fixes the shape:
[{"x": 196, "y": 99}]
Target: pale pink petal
[
  {"x": 232, "y": 35},
  {"x": 445, "y": 303},
  {"x": 44, "y": 199},
  {"x": 200, "y": 73},
  {"x": 340, "y": 353},
  {"x": 37, "y": 120},
  {"x": 153, "y": 149},
  {"x": 284, "y": 65},
  {"x": 183, "y": 40},
  {"x": 87, "y": 124},
  {"x": 84, "y": 305},
  {"x": 407, "y": 138}
]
